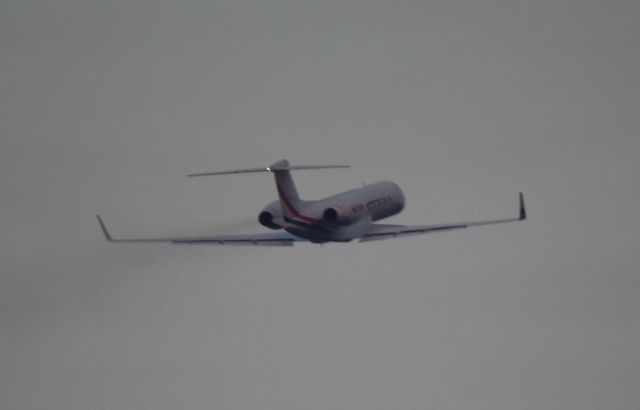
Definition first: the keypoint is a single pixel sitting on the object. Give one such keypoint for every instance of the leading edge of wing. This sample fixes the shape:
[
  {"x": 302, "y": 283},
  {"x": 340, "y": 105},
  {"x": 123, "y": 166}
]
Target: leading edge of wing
[
  {"x": 261, "y": 239},
  {"x": 379, "y": 231}
]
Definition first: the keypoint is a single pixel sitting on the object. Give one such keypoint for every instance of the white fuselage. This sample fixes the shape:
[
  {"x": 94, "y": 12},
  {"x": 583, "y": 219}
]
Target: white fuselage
[{"x": 344, "y": 216}]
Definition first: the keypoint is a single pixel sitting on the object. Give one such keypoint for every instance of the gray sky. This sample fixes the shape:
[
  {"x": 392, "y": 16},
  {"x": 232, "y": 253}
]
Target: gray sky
[{"x": 107, "y": 105}]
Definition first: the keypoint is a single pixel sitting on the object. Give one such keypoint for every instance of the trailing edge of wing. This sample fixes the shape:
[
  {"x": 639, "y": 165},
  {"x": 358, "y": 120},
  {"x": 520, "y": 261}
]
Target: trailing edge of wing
[
  {"x": 263, "y": 239},
  {"x": 380, "y": 231}
]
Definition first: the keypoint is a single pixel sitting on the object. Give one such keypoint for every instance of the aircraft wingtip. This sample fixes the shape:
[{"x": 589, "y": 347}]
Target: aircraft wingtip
[
  {"x": 105, "y": 232},
  {"x": 523, "y": 209}
]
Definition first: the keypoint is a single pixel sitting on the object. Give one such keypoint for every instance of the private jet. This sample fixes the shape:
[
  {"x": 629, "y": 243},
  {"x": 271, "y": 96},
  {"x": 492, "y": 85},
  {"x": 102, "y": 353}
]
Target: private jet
[{"x": 339, "y": 218}]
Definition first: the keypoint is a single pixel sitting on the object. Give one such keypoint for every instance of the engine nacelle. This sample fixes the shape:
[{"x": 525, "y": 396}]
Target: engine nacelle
[
  {"x": 342, "y": 215},
  {"x": 271, "y": 216}
]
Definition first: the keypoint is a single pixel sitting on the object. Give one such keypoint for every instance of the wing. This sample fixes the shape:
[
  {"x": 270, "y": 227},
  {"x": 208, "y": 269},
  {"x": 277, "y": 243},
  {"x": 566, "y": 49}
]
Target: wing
[
  {"x": 262, "y": 239},
  {"x": 380, "y": 231}
]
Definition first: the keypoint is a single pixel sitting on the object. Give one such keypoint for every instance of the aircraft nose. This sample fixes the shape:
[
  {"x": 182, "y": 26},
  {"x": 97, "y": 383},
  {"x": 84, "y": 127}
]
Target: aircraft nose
[{"x": 399, "y": 195}]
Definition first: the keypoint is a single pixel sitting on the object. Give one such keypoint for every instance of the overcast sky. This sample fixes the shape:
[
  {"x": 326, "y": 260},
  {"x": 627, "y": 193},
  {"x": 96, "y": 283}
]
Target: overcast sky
[{"x": 106, "y": 105}]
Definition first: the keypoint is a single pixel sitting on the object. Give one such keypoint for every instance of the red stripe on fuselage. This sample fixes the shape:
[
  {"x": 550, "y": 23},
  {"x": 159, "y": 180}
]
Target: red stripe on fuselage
[{"x": 292, "y": 208}]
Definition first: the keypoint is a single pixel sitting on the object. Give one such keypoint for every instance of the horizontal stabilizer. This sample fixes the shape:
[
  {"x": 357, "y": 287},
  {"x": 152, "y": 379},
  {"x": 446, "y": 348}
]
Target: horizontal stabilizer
[{"x": 281, "y": 165}]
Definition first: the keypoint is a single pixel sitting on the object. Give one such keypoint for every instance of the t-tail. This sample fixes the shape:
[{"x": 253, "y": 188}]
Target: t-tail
[
  {"x": 290, "y": 202},
  {"x": 289, "y": 199},
  {"x": 287, "y": 191}
]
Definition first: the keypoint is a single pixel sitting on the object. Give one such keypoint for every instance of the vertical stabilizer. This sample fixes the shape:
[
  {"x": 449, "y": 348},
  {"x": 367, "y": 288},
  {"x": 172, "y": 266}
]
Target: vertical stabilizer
[
  {"x": 289, "y": 199},
  {"x": 287, "y": 192}
]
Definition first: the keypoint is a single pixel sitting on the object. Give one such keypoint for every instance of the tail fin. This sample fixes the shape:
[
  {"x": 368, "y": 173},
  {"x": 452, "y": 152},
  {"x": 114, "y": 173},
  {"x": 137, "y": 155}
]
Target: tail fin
[
  {"x": 287, "y": 192},
  {"x": 284, "y": 182},
  {"x": 281, "y": 170}
]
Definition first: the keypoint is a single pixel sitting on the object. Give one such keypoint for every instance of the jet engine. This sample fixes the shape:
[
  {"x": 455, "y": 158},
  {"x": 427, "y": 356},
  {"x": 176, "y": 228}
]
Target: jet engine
[
  {"x": 271, "y": 216},
  {"x": 342, "y": 215}
]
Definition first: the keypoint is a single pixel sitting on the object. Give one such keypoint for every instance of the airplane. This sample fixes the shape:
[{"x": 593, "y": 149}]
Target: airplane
[{"x": 339, "y": 218}]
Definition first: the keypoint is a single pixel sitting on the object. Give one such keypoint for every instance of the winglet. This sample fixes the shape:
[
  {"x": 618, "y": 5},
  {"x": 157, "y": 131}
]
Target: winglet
[
  {"x": 106, "y": 233},
  {"x": 523, "y": 210}
]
